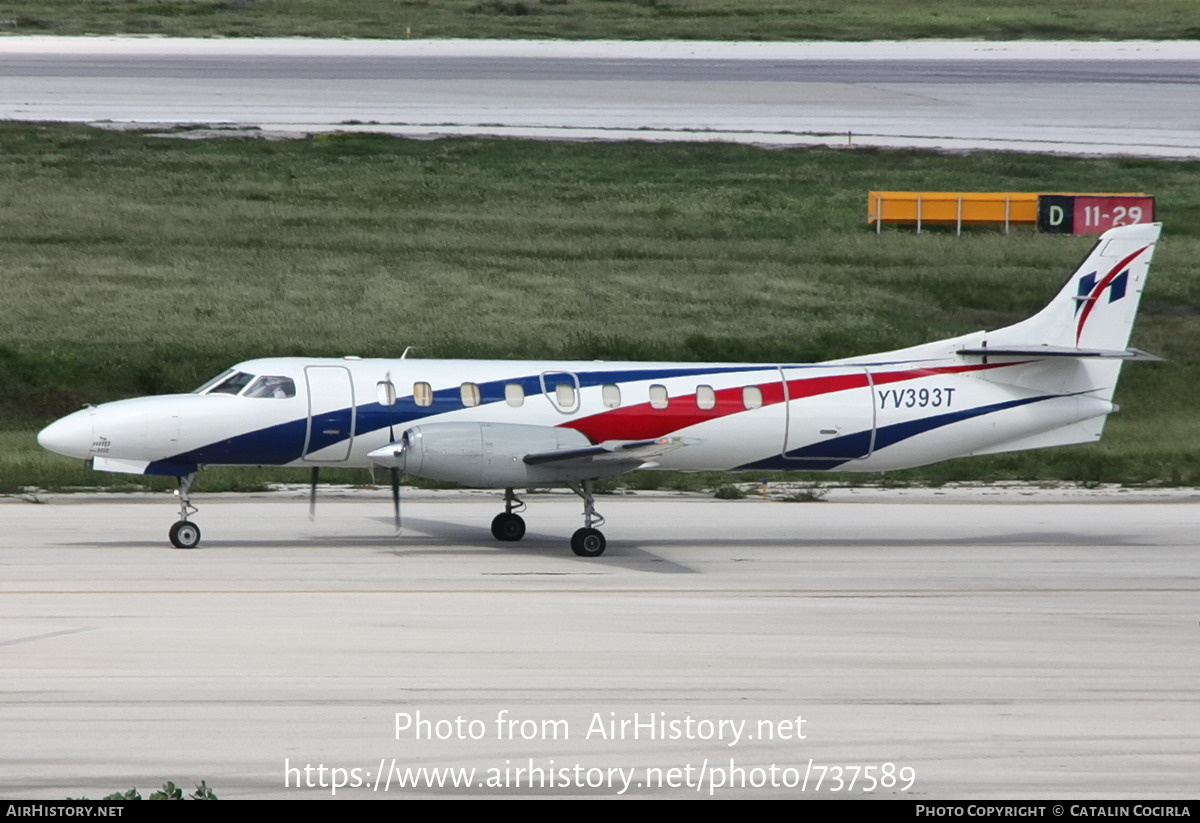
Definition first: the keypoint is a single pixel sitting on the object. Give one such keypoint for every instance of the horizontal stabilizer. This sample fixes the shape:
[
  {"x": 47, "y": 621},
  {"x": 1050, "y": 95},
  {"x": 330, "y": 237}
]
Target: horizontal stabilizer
[
  {"x": 1058, "y": 351},
  {"x": 612, "y": 451}
]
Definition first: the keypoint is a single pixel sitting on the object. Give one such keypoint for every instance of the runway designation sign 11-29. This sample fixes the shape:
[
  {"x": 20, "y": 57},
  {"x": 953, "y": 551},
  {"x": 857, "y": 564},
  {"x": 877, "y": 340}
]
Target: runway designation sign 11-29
[{"x": 1092, "y": 213}]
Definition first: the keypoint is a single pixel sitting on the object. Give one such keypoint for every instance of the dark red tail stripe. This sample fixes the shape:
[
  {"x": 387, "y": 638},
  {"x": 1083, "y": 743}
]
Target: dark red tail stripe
[
  {"x": 642, "y": 422},
  {"x": 881, "y": 378}
]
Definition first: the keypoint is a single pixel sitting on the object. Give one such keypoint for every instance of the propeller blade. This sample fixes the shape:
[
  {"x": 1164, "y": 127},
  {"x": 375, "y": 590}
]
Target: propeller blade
[
  {"x": 391, "y": 403},
  {"x": 312, "y": 493},
  {"x": 396, "y": 497}
]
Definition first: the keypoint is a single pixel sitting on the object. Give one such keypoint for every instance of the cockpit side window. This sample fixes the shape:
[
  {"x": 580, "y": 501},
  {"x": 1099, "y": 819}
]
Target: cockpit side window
[
  {"x": 272, "y": 387},
  {"x": 233, "y": 384}
]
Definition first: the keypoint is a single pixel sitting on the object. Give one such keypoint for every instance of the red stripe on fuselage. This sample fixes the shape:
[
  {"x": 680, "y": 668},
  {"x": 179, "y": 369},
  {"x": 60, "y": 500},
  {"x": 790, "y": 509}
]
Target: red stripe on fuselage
[{"x": 644, "y": 422}]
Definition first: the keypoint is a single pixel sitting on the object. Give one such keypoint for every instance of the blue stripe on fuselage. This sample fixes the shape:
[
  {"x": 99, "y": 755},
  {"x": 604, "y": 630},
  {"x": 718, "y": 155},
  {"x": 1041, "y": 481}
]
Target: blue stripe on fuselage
[
  {"x": 284, "y": 443},
  {"x": 272, "y": 446},
  {"x": 813, "y": 457}
]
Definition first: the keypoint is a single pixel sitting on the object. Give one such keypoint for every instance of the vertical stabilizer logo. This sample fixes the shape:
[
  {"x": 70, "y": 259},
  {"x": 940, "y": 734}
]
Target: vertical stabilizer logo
[
  {"x": 1087, "y": 285},
  {"x": 1116, "y": 283}
]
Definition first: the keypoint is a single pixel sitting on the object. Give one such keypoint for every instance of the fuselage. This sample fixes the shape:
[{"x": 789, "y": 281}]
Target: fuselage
[{"x": 872, "y": 415}]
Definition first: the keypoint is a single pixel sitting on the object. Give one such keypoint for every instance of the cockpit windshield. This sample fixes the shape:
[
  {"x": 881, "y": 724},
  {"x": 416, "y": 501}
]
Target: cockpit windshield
[
  {"x": 232, "y": 384},
  {"x": 208, "y": 384}
]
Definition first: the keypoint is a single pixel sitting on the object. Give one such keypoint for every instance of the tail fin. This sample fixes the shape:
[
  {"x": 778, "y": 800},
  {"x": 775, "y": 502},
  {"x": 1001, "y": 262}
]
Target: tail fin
[
  {"x": 1076, "y": 345},
  {"x": 1079, "y": 341},
  {"x": 1072, "y": 349},
  {"x": 1095, "y": 310}
]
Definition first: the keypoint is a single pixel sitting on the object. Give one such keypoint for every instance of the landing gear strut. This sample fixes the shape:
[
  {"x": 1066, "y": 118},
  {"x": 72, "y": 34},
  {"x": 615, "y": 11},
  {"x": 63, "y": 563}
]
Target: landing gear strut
[
  {"x": 185, "y": 534},
  {"x": 508, "y": 526},
  {"x": 588, "y": 541}
]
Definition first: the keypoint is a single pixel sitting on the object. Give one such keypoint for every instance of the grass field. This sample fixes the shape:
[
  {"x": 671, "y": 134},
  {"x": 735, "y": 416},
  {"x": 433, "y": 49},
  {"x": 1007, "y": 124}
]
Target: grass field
[
  {"x": 135, "y": 264},
  {"x": 617, "y": 19}
]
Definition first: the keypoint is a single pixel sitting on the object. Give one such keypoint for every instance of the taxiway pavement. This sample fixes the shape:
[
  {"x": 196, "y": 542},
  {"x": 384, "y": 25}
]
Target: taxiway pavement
[{"x": 1021, "y": 644}]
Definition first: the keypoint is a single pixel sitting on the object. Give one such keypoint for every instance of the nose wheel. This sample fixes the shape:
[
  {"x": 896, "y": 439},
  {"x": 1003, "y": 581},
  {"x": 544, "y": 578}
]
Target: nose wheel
[{"x": 185, "y": 534}]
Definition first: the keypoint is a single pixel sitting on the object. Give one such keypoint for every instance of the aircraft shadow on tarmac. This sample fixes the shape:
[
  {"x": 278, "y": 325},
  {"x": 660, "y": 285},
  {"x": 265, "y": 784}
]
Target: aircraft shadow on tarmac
[
  {"x": 432, "y": 538},
  {"x": 550, "y": 545},
  {"x": 460, "y": 539}
]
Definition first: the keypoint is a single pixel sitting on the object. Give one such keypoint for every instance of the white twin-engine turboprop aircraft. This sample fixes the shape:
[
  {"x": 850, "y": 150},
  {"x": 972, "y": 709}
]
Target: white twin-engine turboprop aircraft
[{"x": 1046, "y": 381}]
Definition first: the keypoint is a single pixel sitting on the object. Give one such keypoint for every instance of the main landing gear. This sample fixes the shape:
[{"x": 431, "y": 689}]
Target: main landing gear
[
  {"x": 508, "y": 526},
  {"x": 588, "y": 541},
  {"x": 185, "y": 534}
]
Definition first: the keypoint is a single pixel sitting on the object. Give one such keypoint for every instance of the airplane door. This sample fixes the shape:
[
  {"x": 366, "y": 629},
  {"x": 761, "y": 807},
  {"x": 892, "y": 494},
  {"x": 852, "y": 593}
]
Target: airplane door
[
  {"x": 562, "y": 390},
  {"x": 831, "y": 416},
  {"x": 330, "y": 414}
]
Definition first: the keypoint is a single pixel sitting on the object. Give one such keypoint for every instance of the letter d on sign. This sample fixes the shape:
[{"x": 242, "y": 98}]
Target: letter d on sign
[{"x": 1056, "y": 213}]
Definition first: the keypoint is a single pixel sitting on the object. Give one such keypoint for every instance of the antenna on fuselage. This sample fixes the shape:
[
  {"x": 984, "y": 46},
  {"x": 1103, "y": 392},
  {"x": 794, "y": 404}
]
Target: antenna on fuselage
[{"x": 407, "y": 349}]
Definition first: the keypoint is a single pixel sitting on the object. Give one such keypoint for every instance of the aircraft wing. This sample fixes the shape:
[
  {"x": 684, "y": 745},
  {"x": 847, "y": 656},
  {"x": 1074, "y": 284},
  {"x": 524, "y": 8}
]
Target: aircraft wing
[{"x": 635, "y": 453}]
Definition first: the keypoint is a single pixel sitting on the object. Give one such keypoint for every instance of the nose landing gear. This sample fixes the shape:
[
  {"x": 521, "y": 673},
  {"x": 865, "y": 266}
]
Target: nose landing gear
[{"x": 185, "y": 534}]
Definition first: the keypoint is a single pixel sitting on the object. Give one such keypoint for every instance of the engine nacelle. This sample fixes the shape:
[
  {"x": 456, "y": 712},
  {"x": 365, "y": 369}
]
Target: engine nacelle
[{"x": 490, "y": 455}]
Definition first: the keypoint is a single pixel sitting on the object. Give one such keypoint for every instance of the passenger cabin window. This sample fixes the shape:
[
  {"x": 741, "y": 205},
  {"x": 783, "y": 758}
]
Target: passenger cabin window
[
  {"x": 658, "y": 397},
  {"x": 469, "y": 392},
  {"x": 706, "y": 398},
  {"x": 272, "y": 387},
  {"x": 422, "y": 394},
  {"x": 611, "y": 395},
  {"x": 385, "y": 392},
  {"x": 564, "y": 395},
  {"x": 233, "y": 384},
  {"x": 752, "y": 397},
  {"x": 514, "y": 394}
]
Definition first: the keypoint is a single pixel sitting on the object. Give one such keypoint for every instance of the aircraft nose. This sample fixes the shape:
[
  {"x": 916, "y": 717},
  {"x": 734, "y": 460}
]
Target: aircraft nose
[{"x": 71, "y": 436}]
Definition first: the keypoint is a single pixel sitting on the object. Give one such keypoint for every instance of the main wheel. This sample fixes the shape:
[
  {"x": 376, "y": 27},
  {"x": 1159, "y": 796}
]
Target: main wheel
[
  {"x": 508, "y": 527},
  {"x": 185, "y": 535},
  {"x": 588, "y": 543}
]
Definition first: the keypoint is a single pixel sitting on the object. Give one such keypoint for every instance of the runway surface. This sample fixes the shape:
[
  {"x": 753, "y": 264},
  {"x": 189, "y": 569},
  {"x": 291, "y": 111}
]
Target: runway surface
[
  {"x": 1102, "y": 98},
  {"x": 1022, "y": 644}
]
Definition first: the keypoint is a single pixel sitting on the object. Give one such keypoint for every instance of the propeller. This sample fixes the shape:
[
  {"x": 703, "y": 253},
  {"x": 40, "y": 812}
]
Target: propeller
[
  {"x": 387, "y": 397},
  {"x": 395, "y": 471},
  {"x": 396, "y": 497},
  {"x": 386, "y": 391}
]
